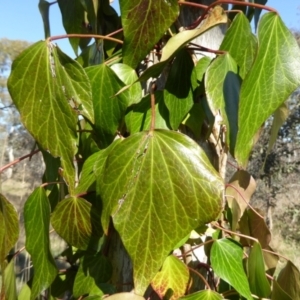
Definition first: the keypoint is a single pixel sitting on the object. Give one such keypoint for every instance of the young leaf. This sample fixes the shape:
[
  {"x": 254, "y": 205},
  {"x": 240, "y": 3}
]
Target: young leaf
[
  {"x": 241, "y": 43},
  {"x": 144, "y": 23},
  {"x": 226, "y": 260},
  {"x": 274, "y": 75},
  {"x": 9, "y": 227},
  {"x": 37, "y": 223},
  {"x": 109, "y": 109},
  {"x": 258, "y": 281},
  {"x": 172, "y": 279},
  {"x": 146, "y": 196},
  {"x": 203, "y": 295},
  {"x": 178, "y": 94},
  {"x": 77, "y": 222},
  {"x": 289, "y": 280},
  {"x": 222, "y": 89},
  {"x": 42, "y": 82}
]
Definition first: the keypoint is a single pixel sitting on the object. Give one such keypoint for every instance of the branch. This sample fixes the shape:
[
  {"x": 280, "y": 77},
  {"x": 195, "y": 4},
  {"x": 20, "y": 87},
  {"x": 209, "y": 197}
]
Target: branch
[{"x": 18, "y": 160}]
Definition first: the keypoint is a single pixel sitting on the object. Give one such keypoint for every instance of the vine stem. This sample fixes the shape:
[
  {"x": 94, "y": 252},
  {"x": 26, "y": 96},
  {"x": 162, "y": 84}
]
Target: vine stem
[
  {"x": 18, "y": 160},
  {"x": 152, "y": 95},
  {"x": 201, "y": 276},
  {"x": 77, "y": 35}
]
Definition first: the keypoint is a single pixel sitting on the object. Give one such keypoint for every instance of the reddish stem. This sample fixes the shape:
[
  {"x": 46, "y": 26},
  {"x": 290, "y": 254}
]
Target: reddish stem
[
  {"x": 18, "y": 160},
  {"x": 202, "y": 6},
  {"x": 76, "y": 35},
  {"x": 152, "y": 95}
]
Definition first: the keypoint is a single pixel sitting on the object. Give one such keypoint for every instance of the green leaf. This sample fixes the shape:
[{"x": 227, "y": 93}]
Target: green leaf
[
  {"x": 77, "y": 222},
  {"x": 274, "y": 75},
  {"x": 144, "y": 23},
  {"x": 146, "y": 196},
  {"x": 222, "y": 89},
  {"x": 138, "y": 117},
  {"x": 44, "y": 83},
  {"x": 129, "y": 77},
  {"x": 90, "y": 56},
  {"x": 201, "y": 68},
  {"x": 203, "y": 295},
  {"x": 9, "y": 281},
  {"x": 258, "y": 281},
  {"x": 93, "y": 270},
  {"x": 172, "y": 279},
  {"x": 289, "y": 280},
  {"x": 73, "y": 18},
  {"x": 9, "y": 227},
  {"x": 37, "y": 222},
  {"x": 44, "y": 11},
  {"x": 241, "y": 43},
  {"x": 109, "y": 109},
  {"x": 226, "y": 259},
  {"x": 178, "y": 94}
]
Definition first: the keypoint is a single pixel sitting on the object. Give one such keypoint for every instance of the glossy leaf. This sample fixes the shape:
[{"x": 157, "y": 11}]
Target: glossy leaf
[
  {"x": 274, "y": 75},
  {"x": 289, "y": 280},
  {"x": 109, "y": 109},
  {"x": 222, "y": 85},
  {"x": 144, "y": 23},
  {"x": 77, "y": 222},
  {"x": 138, "y": 117},
  {"x": 172, "y": 279},
  {"x": 178, "y": 94},
  {"x": 128, "y": 76},
  {"x": 203, "y": 295},
  {"x": 258, "y": 281},
  {"x": 226, "y": 260},
  {"x": 241, "y": 43},
  {"x": 145, "y": 198},
  {"x": 93, "y": 270},
  {"x": 9, "y": 227},
  {"x": 42, "y": 82},
  {"x": 37, "y": 225}
]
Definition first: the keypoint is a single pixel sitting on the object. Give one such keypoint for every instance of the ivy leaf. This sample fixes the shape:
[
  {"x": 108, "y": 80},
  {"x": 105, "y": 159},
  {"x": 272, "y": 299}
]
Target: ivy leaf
[
  {"x": 241, "y": 43},
  {"x": 203, "y": 295},
  {"x": 274, "y": 75},
  {"x": 77, "y": 222},
  {"x": 37, "y": 223},
  {"x": 144, "y": 23},
  {"x": 178, "y": 94},
  {"x": 258, "y": 281},
  {"x": 138, "y": 117},
  {"x": 222, "y": 88},
  {"x": 9, "y": 282},
  {"x": 44, "y": 83},
  {"x": 172, "y": 279},
  {"x": 109, "y": 109},
  {"x": 146, "y": 196},
  {"x": 226, "y": 260},
  {"x": 9, "y": 227}
]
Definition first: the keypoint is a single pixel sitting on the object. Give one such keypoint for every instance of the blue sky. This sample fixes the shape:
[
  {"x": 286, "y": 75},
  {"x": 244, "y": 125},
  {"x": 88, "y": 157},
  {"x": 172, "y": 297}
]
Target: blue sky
[{"x": 20, "y": 19}]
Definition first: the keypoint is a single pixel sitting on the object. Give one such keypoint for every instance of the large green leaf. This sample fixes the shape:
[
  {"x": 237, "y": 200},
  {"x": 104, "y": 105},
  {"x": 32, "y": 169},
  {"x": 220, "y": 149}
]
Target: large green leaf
[
  {"x": 77, "y": 222},
  {"x": 172, "y": 279},
  {"x": 178, "y": 94},
  {"x": 109, "y": 110},
  {"x": 37, "y": 222},
  {"x": 49, "y": 89},
  {"x": 226, "y": 260},
  {"x": 241, "y": 43},
  {"x": 93, "y": 270},
  {"x": 258, "y": 281},
  {"x": 274, "y": 75},
  {"x": 9, "y": 227},
  {"x": 144, "y": 23},
  {"x": 222, "y": 84},
  {"x": 203, "y": 295},
  {"x": 157, "y": 186},
  {"x": 138, "y": 117}
]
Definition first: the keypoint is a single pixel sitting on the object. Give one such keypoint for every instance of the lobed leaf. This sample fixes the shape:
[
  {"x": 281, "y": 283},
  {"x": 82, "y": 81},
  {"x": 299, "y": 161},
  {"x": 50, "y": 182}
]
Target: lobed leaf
[
  {"x": 37, "y": 225},
  {"x": 274, "y": 75},
  {"x": 157, "y": 186}
]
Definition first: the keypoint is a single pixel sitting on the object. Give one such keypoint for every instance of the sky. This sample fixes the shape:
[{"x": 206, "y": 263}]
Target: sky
[{"x": 21, "y": 20}]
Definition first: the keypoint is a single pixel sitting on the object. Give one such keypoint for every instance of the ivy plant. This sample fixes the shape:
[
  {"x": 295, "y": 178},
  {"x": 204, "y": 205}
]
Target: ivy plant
[{"x": 135, "y": 134}]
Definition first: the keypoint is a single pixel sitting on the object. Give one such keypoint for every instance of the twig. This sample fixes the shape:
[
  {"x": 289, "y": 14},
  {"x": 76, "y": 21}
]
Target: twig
[
  {"x": 202, "y": 6},
  {"x": 201, "y": 276},
  {"x": 18, "y": 160},
  {"x": 77, "y": 35},
  {"x": 152, "y": 93}
]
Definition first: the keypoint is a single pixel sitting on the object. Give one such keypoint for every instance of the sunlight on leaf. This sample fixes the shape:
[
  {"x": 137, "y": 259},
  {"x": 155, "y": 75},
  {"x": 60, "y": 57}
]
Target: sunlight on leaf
[{"x": 203, "y": 295}]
